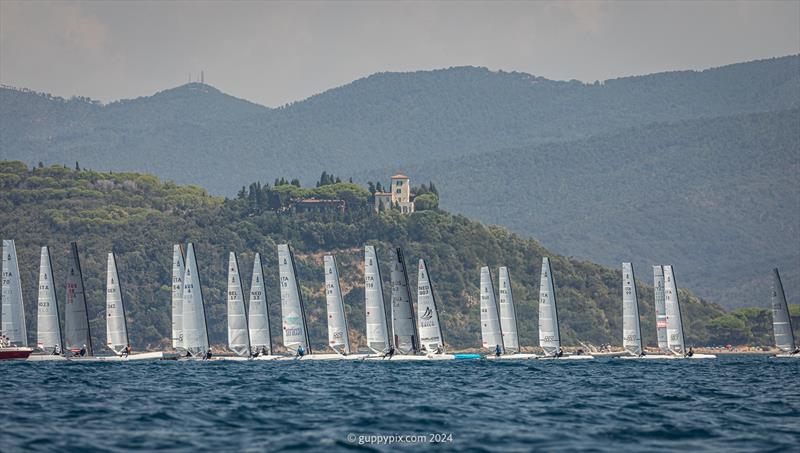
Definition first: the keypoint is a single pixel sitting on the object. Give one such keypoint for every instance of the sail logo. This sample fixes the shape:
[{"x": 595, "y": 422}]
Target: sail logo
[{"x": 428, "y": 314}]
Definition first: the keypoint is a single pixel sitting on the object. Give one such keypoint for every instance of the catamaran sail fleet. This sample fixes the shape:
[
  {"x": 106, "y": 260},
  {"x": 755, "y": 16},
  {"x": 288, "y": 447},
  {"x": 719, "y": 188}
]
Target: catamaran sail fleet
[{"x": 414, "y": 335}]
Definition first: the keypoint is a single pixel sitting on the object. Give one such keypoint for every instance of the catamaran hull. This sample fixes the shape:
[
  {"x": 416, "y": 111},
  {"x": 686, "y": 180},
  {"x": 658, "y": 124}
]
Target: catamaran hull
[
  {"x": 610, "y": 354},
  {"x": 513, "y": 357},
  {"x": 568, "y": 357},
  {"x": 327, "y": 357},
  {"x": 650, "y": 357},
  {"x": 141, "y": 356},
  {"x": 786, "y": 356}
]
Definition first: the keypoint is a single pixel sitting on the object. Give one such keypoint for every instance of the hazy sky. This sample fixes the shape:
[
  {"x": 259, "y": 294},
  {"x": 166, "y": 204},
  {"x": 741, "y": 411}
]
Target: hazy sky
[{"x": 278, "y": 52}]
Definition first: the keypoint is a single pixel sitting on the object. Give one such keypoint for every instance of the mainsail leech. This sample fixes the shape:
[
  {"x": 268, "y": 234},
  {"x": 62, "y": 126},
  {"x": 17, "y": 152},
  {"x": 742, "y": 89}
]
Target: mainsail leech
[
  {"x": 178, "y": 271},
  {"x": 631, "y": 330},
  {"x": 260, "y": 334},
  {"x": 238, "y": 332},
  {"x": 116, "y": 324},
  {"x": 430, "y": 330},
  {"x": 338, "y": 338},
  {"x": 13, "y": 310},
  {"x": 295, "y": 331},
  {"x": 404, "y": 326},
  {"x": 48, "y": 322},
  {"x": 195, "y": 329},
  {"x": 675, "y": 338},
  {"x": 661, "y": 309},
  {"x": 377, "y": 330},
  {"x": 508, "y": 313},
  {"x": 781, "y": 320},
  {"x": 76, "y": 313},
  {"x": 491, "y": 334},
  {"x": 549, "y": 334}
]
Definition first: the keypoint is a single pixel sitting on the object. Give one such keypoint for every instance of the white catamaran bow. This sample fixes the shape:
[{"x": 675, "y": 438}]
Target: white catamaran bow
[
  {"x": 260, "y": 335},
  {"x": 404, "y": 326},
  {"x": 430, "y": 330},
  {"x": 549, "y": 335},
  {"x": 508, "y": 313},
  {"x": 338, "y": 338},
  {"x": 48, "y": 323},
  {"x": 295, "y": 331},
  {"x": 781, "y": 320},
  {"x": 178, "y": 271},
  {"x": 238, "y": 332},
  {"x": 13, "y": 310},
  {"x": 491, "y": 334},
  {"x": 195, "y": 330},
  {"x": 377, "y": 330},
  {"x": 76, "y": 322},
  {"x": 116, "y": 324},
  {"x": 631, "y": 330},
  {"x": 661, "y": 310}
]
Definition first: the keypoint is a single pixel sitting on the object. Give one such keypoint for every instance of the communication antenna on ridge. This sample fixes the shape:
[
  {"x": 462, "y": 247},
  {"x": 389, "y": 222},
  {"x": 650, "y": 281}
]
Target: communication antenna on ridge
[{"x": 202, "y": 77}]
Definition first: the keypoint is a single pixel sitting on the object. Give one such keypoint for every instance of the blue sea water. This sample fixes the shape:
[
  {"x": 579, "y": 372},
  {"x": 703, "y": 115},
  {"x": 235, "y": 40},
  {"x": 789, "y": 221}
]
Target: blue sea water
[{"x": 735, "y": 403}]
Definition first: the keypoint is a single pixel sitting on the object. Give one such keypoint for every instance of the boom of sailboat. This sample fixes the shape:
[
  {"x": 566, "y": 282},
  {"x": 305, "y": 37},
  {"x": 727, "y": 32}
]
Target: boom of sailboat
[{"x": 403, "y": 332}]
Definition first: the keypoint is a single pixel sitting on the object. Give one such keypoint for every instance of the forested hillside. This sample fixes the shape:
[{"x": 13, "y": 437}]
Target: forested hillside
[
  {"x": 719, "y": 198},
  {"x": 140, "y": 217},
  {"x": 697, "y": 168}
]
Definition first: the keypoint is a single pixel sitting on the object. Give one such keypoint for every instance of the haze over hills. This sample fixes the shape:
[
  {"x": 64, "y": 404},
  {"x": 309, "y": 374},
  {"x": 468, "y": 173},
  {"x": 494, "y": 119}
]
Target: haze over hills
[{"x": 555, "y": 160}]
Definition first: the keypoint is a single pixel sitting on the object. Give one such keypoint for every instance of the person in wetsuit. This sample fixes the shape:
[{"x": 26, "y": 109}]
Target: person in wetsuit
[
  {"x": 300, "y": 352},
  {"x": 389, "y": 352},
  {"x": 690, "y": 353},
  {"x": 560, "y": 353},
  {"x": 82, "y": 352},
  {"x": 497, "y": 351}
]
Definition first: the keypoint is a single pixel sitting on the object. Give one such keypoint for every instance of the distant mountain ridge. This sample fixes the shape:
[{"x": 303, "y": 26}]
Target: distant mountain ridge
[{"x": 194, "y": 134}]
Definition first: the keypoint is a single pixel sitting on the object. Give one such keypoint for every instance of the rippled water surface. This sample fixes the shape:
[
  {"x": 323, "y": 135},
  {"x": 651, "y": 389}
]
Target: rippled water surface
[{"x": 735, "y": 403}]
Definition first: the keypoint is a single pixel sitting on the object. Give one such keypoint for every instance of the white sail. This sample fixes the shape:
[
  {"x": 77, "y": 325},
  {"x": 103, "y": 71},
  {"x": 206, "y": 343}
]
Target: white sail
[
  {"x": 549, "y": 335},
  {"x": 13, "y": 310},
  {"x": 404, "y": 327},
  {"x": 490, "y": 319},
  {"x": 338, "y": 339},
  {"x": 76, "y": 317},
  {"x": 781, "y": 320},
  {"x": 116, "y": 325},
  {"x": 260, "y": 335},
  {"x": 675, "y": 339},
  {"x": 295, "y": 331},
  {"x": 631, "y": 330},
  {"x": 508, "y": 313},
  {"x": 377, "y": 331},
  {"x": 48, "y": 323},
  {"x": 661, "y": 308},
  {"x": 178, "y": 269},
  {"x": 195, "y": 330},
  {"x": 238, "y": 332},
  {"x": 430, "y": 330}
]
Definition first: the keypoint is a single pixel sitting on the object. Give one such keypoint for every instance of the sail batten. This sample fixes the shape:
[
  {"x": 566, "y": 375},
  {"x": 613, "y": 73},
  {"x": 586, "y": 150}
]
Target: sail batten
[
  {"x": 631, "y": 330},
  {"x": 260, "y": 334},
  {"x": 781, "y": 320},
  {"x": 195, "y": 329},
  {"x": 675, "y": 337},
  {"x": 430, "y": 330},
  {"x": 377, "y": 329},
  {"x": 238, "y": 332},
  {"x": 338, "y": 338},
  {"x": 178, "y": 271},
  {"x": 491, "y": 334},
  {"x": 76, "y": 317},
  {"x": 660, "y": 308},
  {"x": 549, "y": 334},
  {"x": 13, "y": 310},
  {"x": 508, "y": 312},
  {"x": 404, "y": 326},
  {"x": 116, "y": 324},
  {"x": 295, "y": 331},
  {"x": 48, "y": 322}
]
